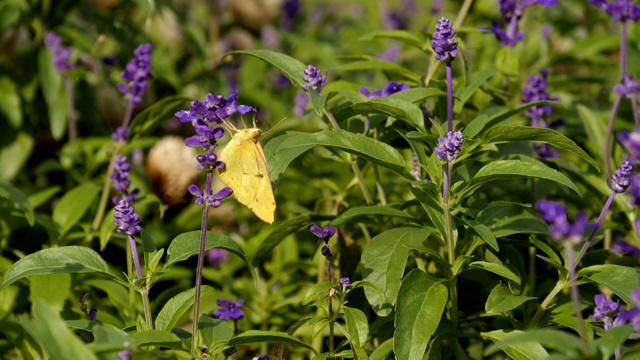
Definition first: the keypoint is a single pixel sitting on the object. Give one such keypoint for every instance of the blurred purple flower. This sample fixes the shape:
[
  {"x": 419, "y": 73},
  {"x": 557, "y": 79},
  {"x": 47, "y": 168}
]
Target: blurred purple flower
[
  {"x": 110, "y": 60},
  {"x": 345, "y": 281},
  {"x": 93, "y": 314},
  {"x": 290, "y": 8},
  {"x": 270, "y": 38},
  {"x": 61, "y": 53},
  {"x": 137, "y": 73},
  {"x": 634, "y": 191},
  {"x": 392, "y": 53},
  {"x": 606, "y": 310},
  {"x": 629, "y": 87},
  {"x": 217, "y": 256},
  {"x": 631, "y": 141},
  {"x": 560, "y": 228},
  {"x": 536, "y": 90},
  {"x": 619, "y": 10},
  {"x": 230, "y": 310},
  {"x": 449, "y": 147},
  {"x": 301, "y": 102},
  {"x": 621, "y": 178},
  {"x": 443, "y": 43},
  {"x": 622, "y": 247},
  {"x": 120, "y": 134},
  {"x": 392, "y": 88},
  {"x": 261, "y": 357},
  {"x": 313, "y": 79},
  {"x": 511, "y": 12},
  {"x": 124, "y": 355}
]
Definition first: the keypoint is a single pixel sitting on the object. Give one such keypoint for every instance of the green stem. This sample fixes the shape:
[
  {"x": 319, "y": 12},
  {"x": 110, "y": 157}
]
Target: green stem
[
  {"x": 381, "y": 195},
  {"x": 545, "y": 303},
  {"x": 104, "y": 197},
  {"x": 144, "y": 292},
  {"x": 575, "y": 295}
]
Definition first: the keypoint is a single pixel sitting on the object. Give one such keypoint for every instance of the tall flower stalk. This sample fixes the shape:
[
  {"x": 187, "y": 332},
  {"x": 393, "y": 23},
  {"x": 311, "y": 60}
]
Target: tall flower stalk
[{"x": 206, "y": 117}]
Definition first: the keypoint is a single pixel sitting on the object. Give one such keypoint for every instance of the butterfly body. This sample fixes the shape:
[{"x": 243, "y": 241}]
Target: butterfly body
[{"x": 247, "y": 175}]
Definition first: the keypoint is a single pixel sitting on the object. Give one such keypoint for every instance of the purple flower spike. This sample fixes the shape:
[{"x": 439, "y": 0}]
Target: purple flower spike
[
  {"x": 290, "y": 8},
  {"x": 231, "y": 108},
  {"x": 218, "y": 256},
  {"x": 301, "y": 102},
  {"x": 622, "y": 247},
  {"x": 621, "y": 179},
  {"x": 449, "y": 147},
  {"x": 631, "y": 142},
  {"x": 230, "y": 310},
  {"x": 443, "y": 43},
  {"x": 629, "y": 87},
  {"x": 313, "y": 79},
  {"x": 137, "y": 73},
  {"x": 560, "y": 228},
  {"x": 127, "y": 219},
  {"x": 605, "y": 310},
  {"x": 61, "y": 54},
  {"x": 391, "y": 88}
]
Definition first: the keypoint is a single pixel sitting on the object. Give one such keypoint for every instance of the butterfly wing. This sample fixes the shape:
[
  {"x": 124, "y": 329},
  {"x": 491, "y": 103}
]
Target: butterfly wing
[{"x": 246, "y": 173}]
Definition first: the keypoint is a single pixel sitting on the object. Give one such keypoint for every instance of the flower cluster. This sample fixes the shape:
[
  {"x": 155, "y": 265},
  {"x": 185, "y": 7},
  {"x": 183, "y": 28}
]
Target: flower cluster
[
  {"x": 121, "y": 182},
  {"x": 205, "y": 116},
  {"x": 127, "y": 219},
  {"x": 619, "y": 10},
  {"x": 612, "y": 314},
  {"x": 560, "y": 228},
  {"x": 137, "y": 73},
  {"x": 444, "y": 43},
  {"x": 628, "y": 87},
  {"x": 449, "y": 147},
  {"x": 325, "y": 234},
  {"x": 391, "y": 88},
  {"x": 622, "y": 247},
  {"x": 230, "y": 310},
  {"x": 92, "y": 314},
  {"x": 511, "y": 12},
  {"x": 621, "y": 179},
  {"x": 313, "y": 79},
  {"x": 61, "y": 53},
  {"x": 536, "y": 90},
  {"x": 290, "y": 8}
]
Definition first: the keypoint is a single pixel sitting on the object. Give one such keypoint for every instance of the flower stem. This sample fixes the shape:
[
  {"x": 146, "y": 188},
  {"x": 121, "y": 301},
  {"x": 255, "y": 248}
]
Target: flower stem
[
  {"x": 609, "y": 136},
  {"x": 203, "y": 243},
  {"x": 135, "y": 256},
  {"x": 73, "y": 127},
  {"x": 596, "y": 227},
  {"x": 575, "y": 295},
  {"x": 545, "y": 303},
  {"x": 104, "y": 197},
  {"x": 449, "y": 97},
  {"x": 146, "y": 304},
  {"x": 451, "y": 247}
]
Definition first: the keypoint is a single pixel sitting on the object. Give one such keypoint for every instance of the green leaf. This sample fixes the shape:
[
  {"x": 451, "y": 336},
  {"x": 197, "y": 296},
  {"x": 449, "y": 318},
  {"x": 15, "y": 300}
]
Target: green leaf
[
  {"x": 279, "y": 234},
  {"x": 107, "y": 229},
  {"x": 502, "y": 300},
  {"x": 13, "y": 156},
  {"x": 476, "y": 80},
  {"x": 104, "y": 333},
  {"x": 497, "y": 269},
  {"x": 53, "y": 335},
  {"x": 280, "y": 153},
  {"x": 187, "y": 244},
  {"x": 153, "y": 116},
  {"x": 155, "y": 337},
  {"x": 10, "y": 102},
  {"x": 18, "y": 200},
  {"x": 73, "y": 205},
  {"x": 54, "y": 93},
  {"x": 319, "y": 289},
  {"x": 497, "y": 118},
  {"x": 613, "y": 339},
  {"x": 213, "y": 330},
  {"x": 421, "y": 302},
  {"x": 433, "y": 208},
  {"x": 258, "y": 336},
  {"x": 52, "y": 289},
  {"x": 290, "y": 67},
  {"x": 595, "y": 127},
  {"x": 357, "y": 327},
  {"x": 390, "y": 106},
  {"x": 356, "y": 213},
  {"x": 40, "y": 197},
  {"x": 508, "y": 133},
  {"x": 368, "y": 148},
  {"x": 177, "y": 306},
  {"x": 516, "y": 169},
  {"x": 67, "y": 259},
  {"x": 504, "y": 219},
  {"x": 528, "y": 344},
  {"x": 382, "y": 351},
  {"x": 384, "y": 261},
  {"x": 400, "y": 35},
  {"x": 507, "y": 61},
  {"x": 318, "y": 101},
  {"x": 516, "y": 345},
  {"x": 483, "y": 231},
  {"x": 617, "y": 278},
  {"x": 370, "y": 63}
]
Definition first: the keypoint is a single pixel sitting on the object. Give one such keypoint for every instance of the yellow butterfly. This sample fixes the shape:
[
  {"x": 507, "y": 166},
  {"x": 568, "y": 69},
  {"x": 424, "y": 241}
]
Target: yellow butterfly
[{"x": 246, "y": 173}]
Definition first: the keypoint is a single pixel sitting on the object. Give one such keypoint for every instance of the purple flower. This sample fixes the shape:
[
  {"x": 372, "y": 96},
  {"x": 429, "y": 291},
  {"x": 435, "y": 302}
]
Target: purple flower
[
  {"x": 634, "y": 191},
  {"x": 61, "y": 54},
  {"x": 511, "y": 12},
  {"x": 217, "y": 256},
  {"x": 629, "y": 87},
  {"x": 391, "y": 88},
  {"x": 631, "y": 141},
  {"x": 622, "y": 247},
  {"x": 605, "y": 310},
  {"x": 211, "y": 200},
  {"x": 301, "y": 102},
  {"x": 121, "y": 182},
  {"x": 560, "y": 228},
  {"x": 391, "y": 53},
  {"x": 313, "y": 79},
  {"x": 261, "y": 357},
  {"x": 93, "y": 314},
  {"x": 619, "y": 10},
  {"x": 230, "y": 310},
  {"x": 536, "y": 90},
  {"x": 124, "y": 355},
  {"x": 120, "y": 134},
  {"x": 443, "y": 43},
  {"x": 621, "y": 178},
  {"x": 127, "y": 219},
  {"x": 449, "y": 147},
  {"x": 325, "y": 234},
  {"x": 290, "y": 8},
  {"x": 345, "y": 281},
  {"x": 137, "y": 73}
]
